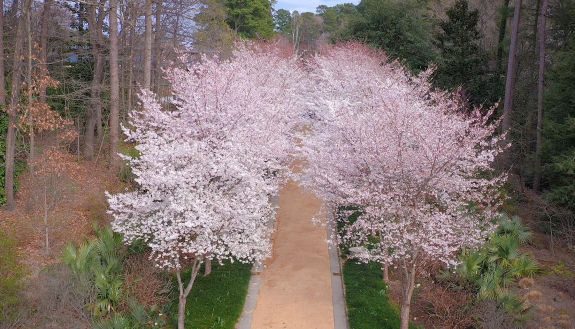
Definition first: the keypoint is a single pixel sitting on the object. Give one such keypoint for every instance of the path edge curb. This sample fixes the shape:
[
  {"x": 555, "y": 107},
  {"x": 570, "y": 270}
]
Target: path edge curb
[
  {"x": 245, "y": 321},
  {"x": 337, "y": 287}
]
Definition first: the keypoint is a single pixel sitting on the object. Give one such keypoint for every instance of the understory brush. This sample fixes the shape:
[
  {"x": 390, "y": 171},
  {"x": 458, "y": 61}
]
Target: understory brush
[
  {"x": 115, "y": 274},
  {"x": 493, "y": 269}
]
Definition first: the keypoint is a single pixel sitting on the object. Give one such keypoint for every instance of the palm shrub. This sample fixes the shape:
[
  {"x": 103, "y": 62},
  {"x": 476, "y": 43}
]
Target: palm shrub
[
  {"x": 99, "y": 262},
  {"x": 499, "y": 264}
]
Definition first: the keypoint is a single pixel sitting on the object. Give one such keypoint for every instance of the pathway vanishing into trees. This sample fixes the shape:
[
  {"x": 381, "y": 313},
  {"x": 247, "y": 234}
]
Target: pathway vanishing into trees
[{"x": 296, "y": 288}]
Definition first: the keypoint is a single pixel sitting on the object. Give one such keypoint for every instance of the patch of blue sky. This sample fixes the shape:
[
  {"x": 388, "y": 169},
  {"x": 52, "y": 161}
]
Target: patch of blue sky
[{"x": 303, "y": 6}]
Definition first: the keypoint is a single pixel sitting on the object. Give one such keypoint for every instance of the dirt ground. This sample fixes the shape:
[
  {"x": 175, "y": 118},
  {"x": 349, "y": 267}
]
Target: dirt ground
[
  {"x": 80, "y": 201},
  {"x": 296, "y": 284}
]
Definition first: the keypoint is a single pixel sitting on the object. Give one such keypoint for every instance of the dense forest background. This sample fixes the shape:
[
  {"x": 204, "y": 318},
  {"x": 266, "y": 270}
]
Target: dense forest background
[
  {"x": 61, "y": 53},
  {"x": 72, "y": 72}
]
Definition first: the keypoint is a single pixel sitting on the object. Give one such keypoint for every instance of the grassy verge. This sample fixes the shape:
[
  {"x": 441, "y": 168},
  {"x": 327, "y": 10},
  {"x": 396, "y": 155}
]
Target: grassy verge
[
  {"x": 11, "y": 275},
  {"x": 368, "y": 305},
  {"x": 217, "y": 300}
]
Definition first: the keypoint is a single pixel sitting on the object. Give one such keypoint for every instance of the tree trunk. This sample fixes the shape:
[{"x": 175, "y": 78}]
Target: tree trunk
[
  {"x": 131, "y": 61},
  {"x": 148, "y": 47},
  {"x": 385, "y": 272},
  {"x": 157, "y": 47},
  {"x": 502, "y": 28},
  {"x": 407, "y": 286},
  {"x": 384, "y": 263},
  {"x": 43, "y": 59},
  {"x": 12, "y": 16},
  {"x": 14, "y": 97},
  {"x": 30, "y": 98},
  {"x": 208, "y": 267},
  {"x": 95, "y": 26},
  {"x": 46, "y": 226},
  {"x": 184, "y": 292},
  {"x": 510, "y": 84},
  {"x": 2, "y": 69},
  {"x": 114, "y": 88},
  {"x": 542, "y": 51}
]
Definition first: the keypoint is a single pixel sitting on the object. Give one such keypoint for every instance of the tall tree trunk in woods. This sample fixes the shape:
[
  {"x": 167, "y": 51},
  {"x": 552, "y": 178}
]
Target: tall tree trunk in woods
[
  {"x": 30, "y": 100},
  {"x": 2, "y": 69},
  {"x": 133, "y": 17},
  {"x": 510, "y": 83},
  {"x": 114, "y": 88},
  {"x": 148, "y": 47},
  {"x": 542, "y": 51},
  {"x": 157, "y": 47},
  {"x": 12, "y": 17},
  {"x": 43, "y": 58},
  {"x": 502, "y": 28},
  {"x": 14, "y": 97},
  {"x": 95, "y": 27}
]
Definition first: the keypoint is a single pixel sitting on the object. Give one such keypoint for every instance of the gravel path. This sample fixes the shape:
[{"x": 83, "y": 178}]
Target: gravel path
[{"x": 295, "y": 289}]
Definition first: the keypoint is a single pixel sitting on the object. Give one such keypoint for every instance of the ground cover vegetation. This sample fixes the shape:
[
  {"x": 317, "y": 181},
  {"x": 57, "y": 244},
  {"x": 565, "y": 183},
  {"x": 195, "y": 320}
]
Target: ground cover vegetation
[{"x": 73, "y": 70}]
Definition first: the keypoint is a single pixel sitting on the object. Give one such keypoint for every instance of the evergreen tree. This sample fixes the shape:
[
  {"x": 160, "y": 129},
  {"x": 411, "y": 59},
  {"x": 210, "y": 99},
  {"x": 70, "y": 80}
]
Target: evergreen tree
[
  {"x": 251, "y": 19},
  {"x": 282, "y": 20},
  {"x": 461, "y": 62},
  {"x": 558, "y": 156},
  {"x": 399, "y": 28}
]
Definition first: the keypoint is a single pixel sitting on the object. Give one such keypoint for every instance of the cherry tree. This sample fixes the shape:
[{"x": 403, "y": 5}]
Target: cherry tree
[
  {"x": 407, "y": 156},
  {"x": 208, "y": 167}
]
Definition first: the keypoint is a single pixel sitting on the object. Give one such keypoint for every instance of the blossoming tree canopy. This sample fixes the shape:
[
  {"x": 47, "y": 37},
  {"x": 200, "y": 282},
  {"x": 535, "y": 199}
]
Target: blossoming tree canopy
[
  {"x": 208, "y": 167},
  {"x": 415, "y": 165}
]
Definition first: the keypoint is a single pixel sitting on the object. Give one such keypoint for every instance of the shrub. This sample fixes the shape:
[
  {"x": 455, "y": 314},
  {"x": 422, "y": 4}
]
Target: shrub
[
  {"x": 499, "y": 264},
  {"x": 100, "y": 261}
]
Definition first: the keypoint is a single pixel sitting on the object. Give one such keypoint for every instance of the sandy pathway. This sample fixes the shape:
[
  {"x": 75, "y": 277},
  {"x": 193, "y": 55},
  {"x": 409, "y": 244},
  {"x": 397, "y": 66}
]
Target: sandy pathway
[{"x": 296, "y": 284}]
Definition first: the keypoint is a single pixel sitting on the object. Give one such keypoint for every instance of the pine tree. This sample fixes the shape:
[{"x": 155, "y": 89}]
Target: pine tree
[{"x": 461, "y": 63}]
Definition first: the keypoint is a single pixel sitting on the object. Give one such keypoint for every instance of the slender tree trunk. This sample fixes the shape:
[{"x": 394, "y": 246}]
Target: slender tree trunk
[
  {"x": 510, "y": 84},
  {"x": 114, "y": 88},
  {"x": 384, "y": 263},
  {"x": 46, "y": 227},
  {"x": 30, "y": 99},
  {"x": 148, "y": 47},
  {"x": 95, "y": 26},
  {"x": 407, "y": 286},
  {"x": 131, "y": 61},
  {"x": 13, "y": 13},
  {"x": 14, "y": 97},
  {"x": 502, "y": 28},
  {"x": 542, "y": 51},
  {"x": 185, "y": 291},
  {"x": 511, "y": 68},
  {"x": 208, "y": 267},
  {"x": 43, "y": 59},
  {"x": 2, "y": 68},
  {"x": 385, "y": 272},
  {"x": 157, "y": 47}
]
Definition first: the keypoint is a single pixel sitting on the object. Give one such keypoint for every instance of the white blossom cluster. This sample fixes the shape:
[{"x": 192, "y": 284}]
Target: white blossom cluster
[
  {"x": 411, "y": 159},
  {"x": 207, "y": 168}
]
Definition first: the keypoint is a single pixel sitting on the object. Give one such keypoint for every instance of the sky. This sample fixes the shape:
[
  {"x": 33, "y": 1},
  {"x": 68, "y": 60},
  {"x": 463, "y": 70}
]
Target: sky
[{"x": 309, "y": 5}]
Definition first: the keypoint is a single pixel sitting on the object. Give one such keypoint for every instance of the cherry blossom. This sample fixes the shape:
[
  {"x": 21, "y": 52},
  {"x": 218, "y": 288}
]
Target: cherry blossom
[
  {"x": 415, "y": 165},
  {"x": 208, "y": 167}
]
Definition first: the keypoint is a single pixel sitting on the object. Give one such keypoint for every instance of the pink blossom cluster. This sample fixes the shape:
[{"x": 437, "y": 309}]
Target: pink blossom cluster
[
  {"x": 415, "y": 164},
  {"x": 207, "y": 167}
]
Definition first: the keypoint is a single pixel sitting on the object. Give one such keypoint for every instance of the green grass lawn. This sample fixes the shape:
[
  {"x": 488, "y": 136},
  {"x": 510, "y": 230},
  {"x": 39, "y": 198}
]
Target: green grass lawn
[
  {"x": 217, "y": 300},
  {"x": 368, "y": 305}
]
